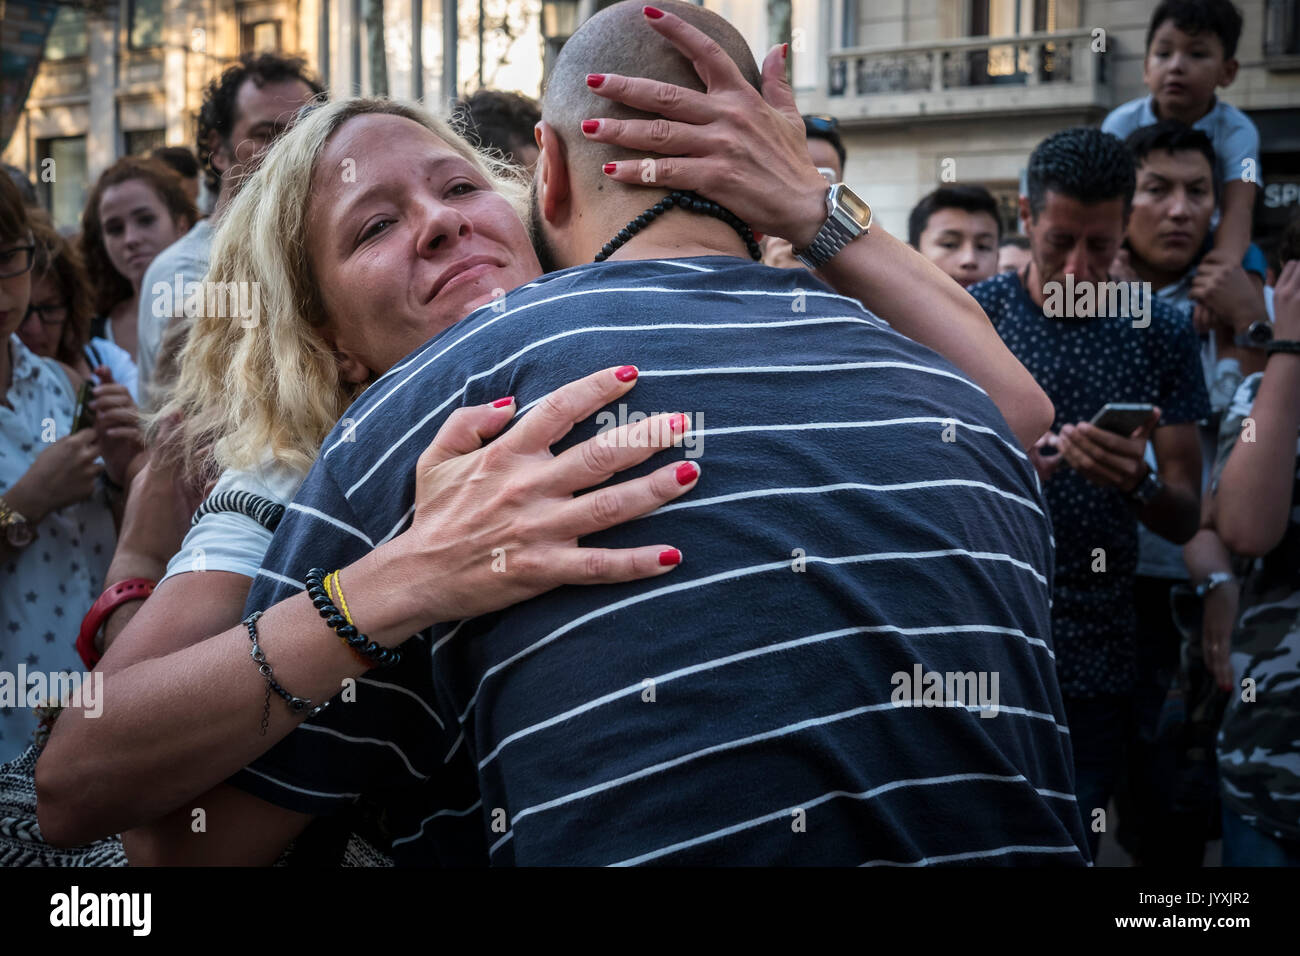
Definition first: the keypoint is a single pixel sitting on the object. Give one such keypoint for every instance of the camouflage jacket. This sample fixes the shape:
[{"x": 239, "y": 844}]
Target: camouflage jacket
[{"x": 1259, "y": 740}]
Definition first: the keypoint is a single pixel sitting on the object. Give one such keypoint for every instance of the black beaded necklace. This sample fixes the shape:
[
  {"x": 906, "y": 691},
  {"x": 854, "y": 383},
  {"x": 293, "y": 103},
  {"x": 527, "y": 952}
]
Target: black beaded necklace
[{"x": 685, "y": 200}]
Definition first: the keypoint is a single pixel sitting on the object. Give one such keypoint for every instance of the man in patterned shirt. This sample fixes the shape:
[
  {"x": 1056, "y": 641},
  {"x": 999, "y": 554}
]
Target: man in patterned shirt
[{"x": 1087, "y": 345}]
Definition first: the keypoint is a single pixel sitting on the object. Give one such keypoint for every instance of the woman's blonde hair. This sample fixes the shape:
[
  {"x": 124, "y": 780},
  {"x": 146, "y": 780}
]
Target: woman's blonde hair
[{"x": 274, "y": 389}]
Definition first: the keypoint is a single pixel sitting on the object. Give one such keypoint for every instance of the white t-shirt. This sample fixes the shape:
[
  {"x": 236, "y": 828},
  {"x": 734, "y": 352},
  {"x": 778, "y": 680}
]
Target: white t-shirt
[{"x": 229, "y": 541}]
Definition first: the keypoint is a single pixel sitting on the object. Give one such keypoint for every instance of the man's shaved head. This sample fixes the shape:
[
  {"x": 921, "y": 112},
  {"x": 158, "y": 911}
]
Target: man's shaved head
[{"x": 618, "y": 40}]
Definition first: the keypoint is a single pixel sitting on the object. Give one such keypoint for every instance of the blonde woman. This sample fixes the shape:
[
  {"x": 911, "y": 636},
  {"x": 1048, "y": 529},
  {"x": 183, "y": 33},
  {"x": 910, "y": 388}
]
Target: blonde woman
[{"x": 256, "y": 396}]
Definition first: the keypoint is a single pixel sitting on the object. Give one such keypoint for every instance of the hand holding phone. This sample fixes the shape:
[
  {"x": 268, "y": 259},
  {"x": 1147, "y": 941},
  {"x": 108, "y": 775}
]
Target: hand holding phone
[{"x": 1122, "y": 419}]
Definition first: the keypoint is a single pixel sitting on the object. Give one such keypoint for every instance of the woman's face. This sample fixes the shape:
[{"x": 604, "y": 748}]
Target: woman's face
[
  {"x": 15, "y": 290},
  {"x": 405, "y": 241},
  {"x": 136, "y": 227},
  {"x": 41, "y": 330}
]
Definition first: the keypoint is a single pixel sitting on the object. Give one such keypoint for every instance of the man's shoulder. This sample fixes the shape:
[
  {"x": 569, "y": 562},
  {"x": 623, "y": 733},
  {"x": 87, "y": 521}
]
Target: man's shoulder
[
  {"x": 187, "y": 255},
  {"x": 1172, "y": 318},
  {"x": 996, "y": 293},
  {"x": 1227, "y": 117},
  {"x": 1126, "y": 117}
]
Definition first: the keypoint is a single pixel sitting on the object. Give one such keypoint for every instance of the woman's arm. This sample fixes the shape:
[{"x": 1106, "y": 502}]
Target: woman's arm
[
  {"x": 178, "y": 720},
  {"x": 748, "y": 152}
]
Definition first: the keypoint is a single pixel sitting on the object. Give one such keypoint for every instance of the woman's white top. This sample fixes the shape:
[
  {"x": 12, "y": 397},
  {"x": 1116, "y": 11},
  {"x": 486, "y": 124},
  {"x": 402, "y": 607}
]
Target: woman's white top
[{"x": 229, "y": 541}]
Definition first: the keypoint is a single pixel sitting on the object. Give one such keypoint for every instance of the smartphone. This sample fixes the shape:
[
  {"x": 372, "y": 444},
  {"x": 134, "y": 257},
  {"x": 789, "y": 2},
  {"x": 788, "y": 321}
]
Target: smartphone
[
  {"x": 1122, "y": 419},
  {"x": 82, "y": 416}
]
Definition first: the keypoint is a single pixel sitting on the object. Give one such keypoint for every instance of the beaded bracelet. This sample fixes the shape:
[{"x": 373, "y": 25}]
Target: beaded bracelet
[
  {"x": 296, "y": 704},
  {"x": 375, "y": 654}
]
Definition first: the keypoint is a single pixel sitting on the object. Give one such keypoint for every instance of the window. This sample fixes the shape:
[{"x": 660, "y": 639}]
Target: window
[
  {"x": 261, "y": 37},
  {"x": 1282, "y": 28},
  {"x": 146, "y": 24},
  {"x": 68, "y": 35},
  {"x": 62, "y": 176},
  {"x": 141, "y": 142}
]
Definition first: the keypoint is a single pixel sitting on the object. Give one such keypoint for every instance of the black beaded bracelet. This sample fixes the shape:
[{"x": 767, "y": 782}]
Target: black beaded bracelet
[
  {"x": 376, "y": 654},
  {"x": 296, "y": 704}
]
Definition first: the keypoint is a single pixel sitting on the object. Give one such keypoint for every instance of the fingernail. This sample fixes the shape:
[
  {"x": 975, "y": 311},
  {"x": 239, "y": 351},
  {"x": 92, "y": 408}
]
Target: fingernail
[
  {"x": 503, "y": 402},
  {"x": 595, "y": 79},
  {"x": 670, "y": 557},
  {"x": 677, "y": 422},
  {"x": 785, "y": 50},
  {"x": 686, "y": 472},
  {"x": 609, "y": 168},
  {"x": 625, "y": 373},
  {"x": 654, "y": 13},
  {"x": 590, "y": 126}
]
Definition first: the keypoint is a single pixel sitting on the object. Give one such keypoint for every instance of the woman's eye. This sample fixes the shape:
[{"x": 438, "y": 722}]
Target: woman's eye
[
  {"x": 147, "y": 220},
  {"x": 467, "y": 187},
  {"x": 375, "y": 228}
]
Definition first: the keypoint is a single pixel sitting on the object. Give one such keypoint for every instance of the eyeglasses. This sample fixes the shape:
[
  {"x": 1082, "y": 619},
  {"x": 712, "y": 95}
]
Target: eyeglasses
[
  {"x": 49, "y": 315},
  {"x": 821, "y": 123},
  {"x": 16, "y": 260}
]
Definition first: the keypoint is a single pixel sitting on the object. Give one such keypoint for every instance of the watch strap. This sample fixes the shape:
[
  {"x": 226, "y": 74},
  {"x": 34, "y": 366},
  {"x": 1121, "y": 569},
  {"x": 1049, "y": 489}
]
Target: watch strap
[
  {"x": 1285, "y": 346},
  {"x": 132, "y": 589}
]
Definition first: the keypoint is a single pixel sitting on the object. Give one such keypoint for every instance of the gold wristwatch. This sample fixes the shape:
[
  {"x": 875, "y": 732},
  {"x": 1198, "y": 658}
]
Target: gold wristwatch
[{"x": 15, "y": 527}]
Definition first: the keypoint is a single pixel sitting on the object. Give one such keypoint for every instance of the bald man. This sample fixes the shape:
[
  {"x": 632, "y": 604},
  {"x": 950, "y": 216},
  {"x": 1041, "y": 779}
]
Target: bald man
[{"x": 793, "y": 692}]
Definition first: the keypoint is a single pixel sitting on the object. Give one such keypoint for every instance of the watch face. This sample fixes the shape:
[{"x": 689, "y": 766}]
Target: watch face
[
  {"x": 858, "y": 210},
  {"x": 19, "y": 534},
  {"x": 1260, "y": 333}
]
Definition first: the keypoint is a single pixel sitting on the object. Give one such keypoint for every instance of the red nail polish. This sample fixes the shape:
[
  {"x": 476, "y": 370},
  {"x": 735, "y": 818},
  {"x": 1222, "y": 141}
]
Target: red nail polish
[
  {"x": 654, "y": 13},
  {"x": 503, "y": 402},
  {"x": 609, "y": 168},
  {"x": 677, "y": 423},
  {"x": 625, "y": 373},
  {"x": 590, "y": 126},
  {"x": 670, "y": 557},
  {"x": 595, "y": 79},
  {"x": 785, "y": 50},
  {"x": 686, "y": 472}
]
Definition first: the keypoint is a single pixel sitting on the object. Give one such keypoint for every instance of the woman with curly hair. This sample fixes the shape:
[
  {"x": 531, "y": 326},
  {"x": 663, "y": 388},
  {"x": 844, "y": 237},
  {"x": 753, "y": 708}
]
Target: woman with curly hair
[{"x": 137, "y": 209}]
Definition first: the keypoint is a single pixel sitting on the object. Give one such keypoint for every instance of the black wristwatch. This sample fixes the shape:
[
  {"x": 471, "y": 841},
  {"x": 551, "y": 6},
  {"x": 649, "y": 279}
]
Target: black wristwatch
[
  {"x": 1148, "y": 488},
  {"x": 1285, "y": 346},
  {"x": 1257, "y": 336}
]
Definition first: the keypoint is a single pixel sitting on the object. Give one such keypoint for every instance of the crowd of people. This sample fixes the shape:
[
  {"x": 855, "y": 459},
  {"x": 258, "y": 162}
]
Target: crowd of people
[{"x": 311, "y": 476}]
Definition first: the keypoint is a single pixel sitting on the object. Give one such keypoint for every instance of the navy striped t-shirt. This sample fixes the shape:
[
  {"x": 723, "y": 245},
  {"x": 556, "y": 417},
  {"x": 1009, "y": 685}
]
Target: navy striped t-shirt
[{"x": 852, "y": 665}]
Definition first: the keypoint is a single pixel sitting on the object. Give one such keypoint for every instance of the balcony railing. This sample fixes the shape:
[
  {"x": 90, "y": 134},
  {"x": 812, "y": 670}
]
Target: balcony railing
[{"x": 1037, "y": 71}]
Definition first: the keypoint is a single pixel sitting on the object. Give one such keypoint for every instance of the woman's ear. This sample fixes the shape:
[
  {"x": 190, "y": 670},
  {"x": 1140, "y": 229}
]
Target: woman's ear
[{"x": 351, "y": 368}]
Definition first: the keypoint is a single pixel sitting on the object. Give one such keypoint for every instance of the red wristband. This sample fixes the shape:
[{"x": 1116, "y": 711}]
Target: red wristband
[{"x": 132, "y": 589}]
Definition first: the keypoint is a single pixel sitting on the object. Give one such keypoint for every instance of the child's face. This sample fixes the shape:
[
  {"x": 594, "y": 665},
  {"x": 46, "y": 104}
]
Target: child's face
[{"x": 1182, "y": 71}]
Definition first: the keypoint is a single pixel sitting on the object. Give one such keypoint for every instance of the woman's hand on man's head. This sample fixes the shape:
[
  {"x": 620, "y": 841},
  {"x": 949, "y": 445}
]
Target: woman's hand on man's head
[{"x": 743, "y": 150}]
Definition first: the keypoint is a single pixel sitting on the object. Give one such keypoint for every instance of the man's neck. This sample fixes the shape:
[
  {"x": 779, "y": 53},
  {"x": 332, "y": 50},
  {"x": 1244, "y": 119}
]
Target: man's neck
[
  {"x": 674, "y": 234},
  {"x": 1159, "y": 278}
]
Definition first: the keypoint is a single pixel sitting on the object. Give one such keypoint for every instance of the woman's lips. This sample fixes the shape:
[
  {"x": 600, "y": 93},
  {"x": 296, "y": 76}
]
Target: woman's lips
[{"x": 468, "y": 275}]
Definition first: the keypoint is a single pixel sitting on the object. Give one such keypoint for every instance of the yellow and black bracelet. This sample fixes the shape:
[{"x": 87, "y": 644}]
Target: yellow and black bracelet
[{"x": 376, "y": 655}]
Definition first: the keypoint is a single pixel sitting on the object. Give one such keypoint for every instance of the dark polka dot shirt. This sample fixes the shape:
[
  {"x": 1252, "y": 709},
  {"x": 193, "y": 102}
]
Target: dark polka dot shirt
[{"x": 1083, "y": 363}]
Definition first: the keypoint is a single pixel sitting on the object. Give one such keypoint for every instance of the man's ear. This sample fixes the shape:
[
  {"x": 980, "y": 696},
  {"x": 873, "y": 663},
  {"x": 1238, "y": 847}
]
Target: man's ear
[
  {"x": 553, "y": 188},
  {"x": 1026, "y": 215},
  {"x": 1229, "y": 72},
  {"x": 215, "y": 157}
]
